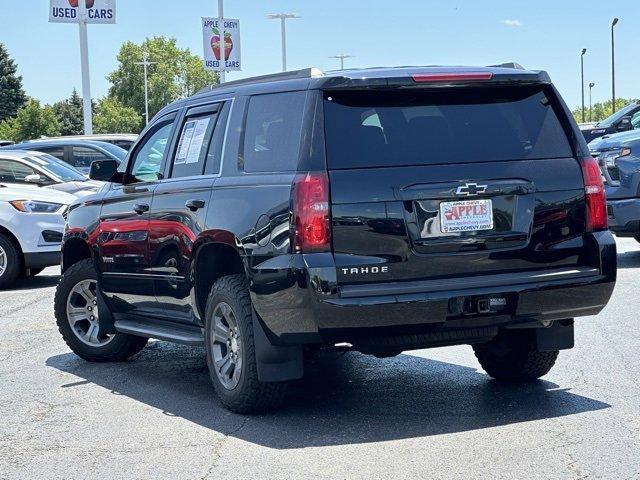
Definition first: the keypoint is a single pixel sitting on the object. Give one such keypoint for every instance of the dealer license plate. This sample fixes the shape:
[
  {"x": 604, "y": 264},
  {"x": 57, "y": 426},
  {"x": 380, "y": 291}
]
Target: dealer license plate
[{"x": 466, "y": 216}]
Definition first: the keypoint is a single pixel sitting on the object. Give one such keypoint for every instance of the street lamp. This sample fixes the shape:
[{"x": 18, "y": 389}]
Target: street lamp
[
  {"x": 584, "y": 50},
  {"x": 591, "y": 85},
  {"x": 146, "y": 64},
  {"x": 283, "y": 31},
  {"x": 613, "y": 66},
  {"x": 341, "y": 57}
]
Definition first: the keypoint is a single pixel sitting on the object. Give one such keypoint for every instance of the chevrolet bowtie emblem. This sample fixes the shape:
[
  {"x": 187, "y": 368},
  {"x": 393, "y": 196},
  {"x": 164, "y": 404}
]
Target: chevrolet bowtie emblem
[{"x": 471, "y": 189}]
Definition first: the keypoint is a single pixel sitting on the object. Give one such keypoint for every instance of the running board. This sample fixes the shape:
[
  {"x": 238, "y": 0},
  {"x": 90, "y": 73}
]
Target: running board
[{"x": 162, "y": 330}]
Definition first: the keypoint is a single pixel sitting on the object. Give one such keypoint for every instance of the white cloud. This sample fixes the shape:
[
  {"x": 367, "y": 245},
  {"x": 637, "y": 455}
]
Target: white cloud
[{"x": 512, "y": 23}]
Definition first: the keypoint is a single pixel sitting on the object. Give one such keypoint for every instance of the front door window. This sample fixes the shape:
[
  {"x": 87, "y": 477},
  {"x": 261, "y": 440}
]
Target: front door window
[{"x": 147, "y": 160}]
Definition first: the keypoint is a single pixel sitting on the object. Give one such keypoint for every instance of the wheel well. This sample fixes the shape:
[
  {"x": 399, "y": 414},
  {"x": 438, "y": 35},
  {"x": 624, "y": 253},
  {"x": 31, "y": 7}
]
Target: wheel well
[
  {"x": 74, "y": 250},
  {"x": 7, "y": 233},
  {"x": 213, "y": 262}
]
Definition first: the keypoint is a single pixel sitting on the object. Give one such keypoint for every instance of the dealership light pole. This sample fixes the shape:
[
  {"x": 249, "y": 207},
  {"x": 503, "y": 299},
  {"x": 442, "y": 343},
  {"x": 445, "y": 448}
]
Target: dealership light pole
[
  {"x": 584, "y": 50},
  {"x": 591, "y": 85},
  {"x": 87, "y": 114},
  {"x": 341, "y": 57},
  {"x": 283, "y": 31},
  {"x": 613, "y": 66},
  {"x": 146, "y": 64}
]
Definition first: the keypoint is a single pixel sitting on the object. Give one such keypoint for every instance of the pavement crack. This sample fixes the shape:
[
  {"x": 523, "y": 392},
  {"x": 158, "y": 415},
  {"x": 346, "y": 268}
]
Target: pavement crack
[{"x": 217, "y": 449}]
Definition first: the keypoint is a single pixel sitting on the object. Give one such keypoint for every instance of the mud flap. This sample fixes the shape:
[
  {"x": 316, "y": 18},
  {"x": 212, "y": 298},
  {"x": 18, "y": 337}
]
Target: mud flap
[
  {"x": 559, "y": 336},
  {"x": 105, "y": 318},
  {"x": 275, "y": 363}
]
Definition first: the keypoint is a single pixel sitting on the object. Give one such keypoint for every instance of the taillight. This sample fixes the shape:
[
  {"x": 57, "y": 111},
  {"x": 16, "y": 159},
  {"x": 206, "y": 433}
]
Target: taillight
[
  {"x": 311, "y": 225},
  {"x": 596, "y": 215},
  {"x": 452, "y": 77}
]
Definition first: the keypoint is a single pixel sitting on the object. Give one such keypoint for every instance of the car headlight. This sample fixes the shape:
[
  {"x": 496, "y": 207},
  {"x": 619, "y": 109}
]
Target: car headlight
[
  {"x": 33, "y": 206},
  {"x": 134, "y": 236},
  {"x": 608, "y": 159}
]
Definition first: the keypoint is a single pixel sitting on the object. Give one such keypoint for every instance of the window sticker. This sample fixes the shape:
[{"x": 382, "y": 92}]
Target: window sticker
[
  {"x": 193, "y": 136},
  {"x": 185, "y": 142},
  {"x": 197, "y": 140}
]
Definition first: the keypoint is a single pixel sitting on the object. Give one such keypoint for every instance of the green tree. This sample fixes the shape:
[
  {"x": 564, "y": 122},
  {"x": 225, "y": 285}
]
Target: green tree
[
  {"x": 32, "y": 121},
  {"x": 12, "y": 96},
  {"x": 8, "y": 129},
  {"x": 69, "y": 114},
  {"x": 600, "y": 110},
  {"x": 113, "y": 117},
  {"x": 176, "y": 73}
]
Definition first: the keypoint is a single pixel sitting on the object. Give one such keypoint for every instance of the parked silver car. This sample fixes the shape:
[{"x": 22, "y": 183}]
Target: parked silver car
[
  {"x": 22, "y": 168},
  {"x": 122, "y": 140}
]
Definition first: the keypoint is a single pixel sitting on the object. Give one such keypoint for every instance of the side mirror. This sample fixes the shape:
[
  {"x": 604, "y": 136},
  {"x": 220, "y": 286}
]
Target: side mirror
[
  {"x": 34, "y": 178},
  {"x": 624, "y": 124},
  {"x": 103, "y": 170}
]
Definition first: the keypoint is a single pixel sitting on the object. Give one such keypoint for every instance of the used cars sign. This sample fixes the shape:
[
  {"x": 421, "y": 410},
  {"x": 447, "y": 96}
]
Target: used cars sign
[{"x": 98, "y": 11}]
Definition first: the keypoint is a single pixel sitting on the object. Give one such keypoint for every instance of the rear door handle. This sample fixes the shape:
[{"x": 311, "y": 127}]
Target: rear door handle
[
  {"x": 194, "y": 205},
  {"x": 141, "y": 208}
]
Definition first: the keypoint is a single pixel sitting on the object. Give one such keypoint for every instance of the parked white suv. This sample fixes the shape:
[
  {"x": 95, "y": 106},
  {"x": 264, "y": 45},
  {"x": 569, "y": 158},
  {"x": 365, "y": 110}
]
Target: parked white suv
[{"x": 31, "y": 227}]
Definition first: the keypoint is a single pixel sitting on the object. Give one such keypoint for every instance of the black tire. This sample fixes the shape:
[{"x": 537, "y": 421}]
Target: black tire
[
  {"x": 121, "y": 347},
  {"x": 513, "y": 356},
  {"x": 249, "y": 395},
  {"x": 12, "y": 262}
]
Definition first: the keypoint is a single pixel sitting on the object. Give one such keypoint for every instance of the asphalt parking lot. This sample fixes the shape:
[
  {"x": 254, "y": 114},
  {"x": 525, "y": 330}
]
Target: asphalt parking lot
[{"x": 427, "y": 414}]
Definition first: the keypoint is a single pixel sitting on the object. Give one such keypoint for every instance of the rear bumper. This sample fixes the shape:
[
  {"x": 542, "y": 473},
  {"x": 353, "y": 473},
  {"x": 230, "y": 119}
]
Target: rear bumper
[
  {"x": 624, "y": 216},
  {"x": 305, "y": 304}
]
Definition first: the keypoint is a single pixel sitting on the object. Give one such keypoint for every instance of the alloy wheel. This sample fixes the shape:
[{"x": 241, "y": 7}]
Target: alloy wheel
[
  {"x": 3, "y": 261},
  {"x": 226, "y": 342},
  {"x": 82, "y": 313}
]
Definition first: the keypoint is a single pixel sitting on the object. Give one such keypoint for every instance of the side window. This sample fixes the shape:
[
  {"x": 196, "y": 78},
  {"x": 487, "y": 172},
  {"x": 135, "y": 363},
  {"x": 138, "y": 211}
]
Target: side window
[
  {"x": 272, "y": 132},
  {"x": 82, "y": 157},
  {"x": 147, "y": 160},
  {"x": 195, "y": 138},
  {"x": 635, "y": 121},
  {"x": 14, "y": 172},
  {"x": 57, "y": 152}
]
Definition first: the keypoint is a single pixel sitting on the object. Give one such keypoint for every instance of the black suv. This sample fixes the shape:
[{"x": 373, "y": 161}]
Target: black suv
[
  {"x": 377, "y": 210},
  {"x": 623, "y": 120}
]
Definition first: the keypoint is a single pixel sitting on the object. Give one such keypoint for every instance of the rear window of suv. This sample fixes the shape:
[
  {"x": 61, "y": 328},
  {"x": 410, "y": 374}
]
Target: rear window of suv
[{"x": 386, "y": 129}]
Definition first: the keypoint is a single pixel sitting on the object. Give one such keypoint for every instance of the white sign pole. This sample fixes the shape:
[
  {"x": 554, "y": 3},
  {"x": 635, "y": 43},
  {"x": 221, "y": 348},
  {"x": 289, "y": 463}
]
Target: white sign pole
[
  {"x": 146, "y": 89},
  {"x": 146, "y": 64},
  {"x": 223, "y": 61},
  {"x": 283, "y": 33},
  {"x": 84, "y": 62}
]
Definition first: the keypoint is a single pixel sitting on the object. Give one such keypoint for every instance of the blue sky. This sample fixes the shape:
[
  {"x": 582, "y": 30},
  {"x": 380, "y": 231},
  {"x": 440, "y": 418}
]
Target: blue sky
[{"x": 539, "y": 34}]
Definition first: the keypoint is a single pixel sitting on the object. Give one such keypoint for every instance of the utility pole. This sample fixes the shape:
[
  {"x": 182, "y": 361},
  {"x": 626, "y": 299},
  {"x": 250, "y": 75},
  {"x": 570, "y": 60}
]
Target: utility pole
[
  {"x": 584, "y": 50},
  {"x": 613, "y": 66},
  {"x": 341, "y": 57},
  {"x": 591, "y": 85},
  {"x": 87, "y": 113},
  {"x": 146, "y": 64},
  {"x": 283, "y": 32},
  {"x": 223, "y": 60}
]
